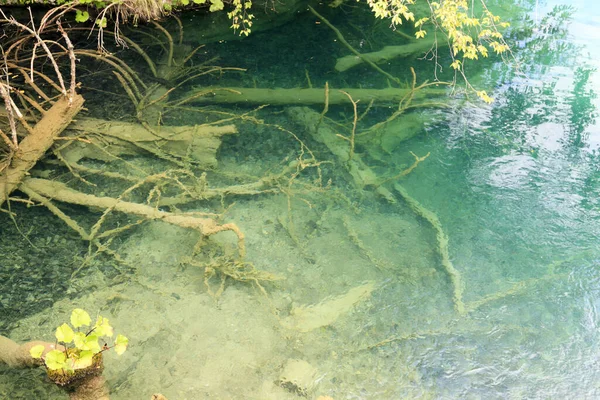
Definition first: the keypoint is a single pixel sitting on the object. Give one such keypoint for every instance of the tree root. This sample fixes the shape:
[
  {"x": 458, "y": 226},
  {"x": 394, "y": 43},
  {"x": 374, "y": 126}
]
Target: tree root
[
  {"x": 236, "y": 270},
  {"x": 442, "y": 239}
]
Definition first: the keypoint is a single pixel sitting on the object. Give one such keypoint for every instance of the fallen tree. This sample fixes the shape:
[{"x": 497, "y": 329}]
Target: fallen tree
[
  {"x": 386, "y": 54},
  {"x": 196, "y": 144},
  {"x": 42, "y": 190},
  {"x": 35, "y": 145},
  {"x": 299, "y": 96}
]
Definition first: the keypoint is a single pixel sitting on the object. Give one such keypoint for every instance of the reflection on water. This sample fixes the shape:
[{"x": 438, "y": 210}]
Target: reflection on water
[{"x": 522, "y": 206}]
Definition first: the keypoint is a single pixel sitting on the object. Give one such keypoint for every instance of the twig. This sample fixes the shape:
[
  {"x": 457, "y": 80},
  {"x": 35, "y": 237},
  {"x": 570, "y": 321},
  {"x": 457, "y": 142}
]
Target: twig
[
  {"x": 73, "y": 60},
  {"x": 354, "y": 121},
  {"x": 42, "y": 43},
  {"x": 406, "y": 171},
  {"x": 180, "y": 25},
  {"x": 170, "y": 39},
  {"x": 325, "y": 108},
  {"x": 352, "y": 49},
  {"x": 10, "y": 111}
]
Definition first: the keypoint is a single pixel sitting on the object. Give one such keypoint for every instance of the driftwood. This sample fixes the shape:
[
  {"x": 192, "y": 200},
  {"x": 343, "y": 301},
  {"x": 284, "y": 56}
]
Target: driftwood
[
  {"x": 41, "y": 190},
  {"x": 420, "y": 47},
  {"x": 35, "y": 145},
  {"x": 364, "y": 176},
  {"x": 197, "y": 144},
  {"x": 306, "y": 96}
]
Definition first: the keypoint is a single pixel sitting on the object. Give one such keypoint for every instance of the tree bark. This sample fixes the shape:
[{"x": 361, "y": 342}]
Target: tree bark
[{"x": 35, "y": 145}]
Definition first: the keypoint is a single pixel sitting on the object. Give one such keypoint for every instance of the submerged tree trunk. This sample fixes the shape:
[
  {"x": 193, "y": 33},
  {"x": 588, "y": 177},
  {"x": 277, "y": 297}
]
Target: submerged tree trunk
[
  {"x": 301, "y": 96},
  {"x": 39, "y": 140}
]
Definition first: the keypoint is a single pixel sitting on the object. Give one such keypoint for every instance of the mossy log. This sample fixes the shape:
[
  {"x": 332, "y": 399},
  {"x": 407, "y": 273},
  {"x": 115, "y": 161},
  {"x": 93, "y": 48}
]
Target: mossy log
[
  {"x": 196, "y": 143},
  {"x": 387, "y": 53},
  {"x": 298, "y": 96},
  {"x": 38, "y": 141}
]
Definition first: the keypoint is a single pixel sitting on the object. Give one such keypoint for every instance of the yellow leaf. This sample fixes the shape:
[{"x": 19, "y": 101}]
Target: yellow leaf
[
  {"x": 36, "y": 351},
  {"x": 421, "y": 22},
  {"x": 56, "y": 359},
  {"x": 102, "y": 327},
  {"x": 420, "y": 34},
  {"x": 121, "y": 344},
  {"x": 79, "y": 339},
  {"x": 64, "y": 333},
  {"x": 482, "y": 94},
  {"x": 80, "y": 318},
  {"x": 84, "y": 360}
]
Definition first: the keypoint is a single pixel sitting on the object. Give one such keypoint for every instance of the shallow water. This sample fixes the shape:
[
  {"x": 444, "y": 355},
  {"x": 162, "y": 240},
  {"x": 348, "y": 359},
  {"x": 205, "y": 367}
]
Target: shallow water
[{"x": 515, "y": 185}]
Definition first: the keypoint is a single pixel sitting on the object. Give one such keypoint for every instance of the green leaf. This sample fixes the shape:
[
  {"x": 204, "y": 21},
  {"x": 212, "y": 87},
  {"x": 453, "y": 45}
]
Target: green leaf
[
  {"x": 101, "y": 22},
  {"x": 199, "y": 1},
  {"x": 79, "y": 317},
  {"x": 84, "y": 360},
  {"x": 56, "y": 359},
  {"x": 64, "y": 333},
  {"x": 121, "y": 344},
  {"x": 36, "y": 351},
  {"x": 216, "y": 5},
  {"x": 185, "y": 2},
  {"x": 81, "y": 16},
  {"x": 83, "y": 342},
  {"x": 102, "y": 327},
  {"x": 91, "y": 343},
  {"x": 79, "y": 339}
]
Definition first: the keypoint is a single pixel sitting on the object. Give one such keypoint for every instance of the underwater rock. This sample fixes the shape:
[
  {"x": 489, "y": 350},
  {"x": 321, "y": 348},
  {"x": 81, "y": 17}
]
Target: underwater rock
[{"x": 298, "y": 377}]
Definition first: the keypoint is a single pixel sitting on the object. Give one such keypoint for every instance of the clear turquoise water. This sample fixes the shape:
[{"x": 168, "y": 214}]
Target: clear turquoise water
[{"x": 516, "y": 186}]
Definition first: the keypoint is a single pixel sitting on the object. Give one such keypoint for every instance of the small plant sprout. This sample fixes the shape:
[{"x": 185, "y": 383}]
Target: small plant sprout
[{"x": 82, "y": 348}]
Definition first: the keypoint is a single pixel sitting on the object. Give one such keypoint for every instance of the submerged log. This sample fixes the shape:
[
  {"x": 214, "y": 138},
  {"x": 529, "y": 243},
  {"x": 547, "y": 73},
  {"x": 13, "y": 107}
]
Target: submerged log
[
  {"x": 35, "y": 145},
  {"x": 364, "y": 176},
  {"x": 298, "y": 96},
  {"x": 41, "y": 189},
  {"x": 385, "y": 54},
  {"x": 196, "y": 143}
]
